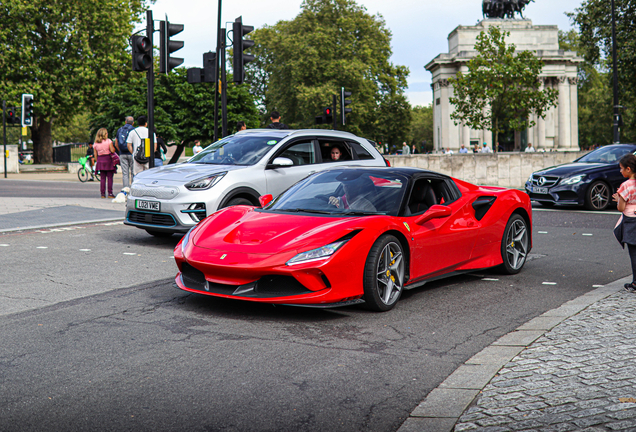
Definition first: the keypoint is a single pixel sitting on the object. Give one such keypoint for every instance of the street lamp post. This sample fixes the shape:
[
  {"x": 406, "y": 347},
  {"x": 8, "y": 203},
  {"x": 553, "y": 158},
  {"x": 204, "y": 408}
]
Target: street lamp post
[{"x": 617, "y": 114}]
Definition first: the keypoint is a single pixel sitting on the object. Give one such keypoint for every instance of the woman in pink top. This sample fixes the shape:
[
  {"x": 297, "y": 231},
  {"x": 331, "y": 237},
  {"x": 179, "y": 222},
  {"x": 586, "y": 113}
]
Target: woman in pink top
[
  {"x": 103, "y": 148},
  {"x": 626, "y": 203}
]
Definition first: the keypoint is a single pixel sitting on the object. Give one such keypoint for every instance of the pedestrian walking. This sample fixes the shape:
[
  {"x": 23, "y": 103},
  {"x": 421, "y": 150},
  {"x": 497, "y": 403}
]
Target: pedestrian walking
[
  {"x": 104, "y": 147},
  {"x": 137, "y": 138},
  {"x": 160, "y": 153},
  {"x": 405, "y": 149},
  {"x": 276, "y": 124},
  {"x": 125, "y": 157},
  {"x": 625, "y": 230}
]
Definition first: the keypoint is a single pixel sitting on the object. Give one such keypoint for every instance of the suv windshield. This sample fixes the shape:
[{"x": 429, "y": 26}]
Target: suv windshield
[
  {"x": 236, "y": 150},
  {"x": 353, "y": 192},
  {"x": 607, "y": 154}
]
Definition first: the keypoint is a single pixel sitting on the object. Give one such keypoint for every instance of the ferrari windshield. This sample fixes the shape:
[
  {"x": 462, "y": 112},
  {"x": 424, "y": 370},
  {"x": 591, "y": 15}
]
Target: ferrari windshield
[
  {"x": 354, "y": 192},
  {"x": 607, "y": 154},
  {"x": 236, "y": 150}
]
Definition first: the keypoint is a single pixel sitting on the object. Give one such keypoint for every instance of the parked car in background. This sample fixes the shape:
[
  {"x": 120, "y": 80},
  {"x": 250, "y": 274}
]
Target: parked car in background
[
  {"x": 589, "y": 181},
  {"x": 237, "y": 170}
]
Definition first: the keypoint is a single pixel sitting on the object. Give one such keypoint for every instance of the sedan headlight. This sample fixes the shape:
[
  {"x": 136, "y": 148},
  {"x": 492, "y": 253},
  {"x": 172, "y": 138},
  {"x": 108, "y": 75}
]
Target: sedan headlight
[
  {"x": 316, "y": 254},
  {"x": 573, "y": 180},
  {"x": 205, "y": 182}
]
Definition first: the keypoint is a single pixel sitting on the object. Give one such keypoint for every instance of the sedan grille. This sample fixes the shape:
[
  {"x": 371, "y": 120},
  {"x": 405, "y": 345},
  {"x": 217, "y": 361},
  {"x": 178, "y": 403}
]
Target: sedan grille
[
  {"x": 548, "y": 181},
  {"x": 162, "y": 192},
  {"x": 159, "y": 219}
]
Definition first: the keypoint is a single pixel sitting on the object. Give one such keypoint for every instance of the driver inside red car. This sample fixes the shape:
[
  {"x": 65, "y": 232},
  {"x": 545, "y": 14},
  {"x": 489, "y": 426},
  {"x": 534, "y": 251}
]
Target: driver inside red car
[{"x": 355, "y": 195}]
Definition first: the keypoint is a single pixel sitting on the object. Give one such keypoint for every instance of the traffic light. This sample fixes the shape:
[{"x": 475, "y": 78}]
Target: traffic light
[
  {"x": 239, "y": 44},
  {"x": 141, "y": 53},
  {"x": 167, "y": 46},
  {"x": 12, "y": 117},
  {"x": 207, "y": 73},
  {"x": 27, "y": 110},
  {"x": 343, "y": 104},
  {"x": 326, "y": 117}
]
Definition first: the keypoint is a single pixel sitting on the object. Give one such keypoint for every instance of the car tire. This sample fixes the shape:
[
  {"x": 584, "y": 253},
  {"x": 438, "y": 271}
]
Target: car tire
[
  {"x": 598, "y": 196},
  {"x": 238, "y": 201},
  {"x": 515, "y": 245},
  {"x": 384, "y": 274},
  {"x": 159, "y": 233}
]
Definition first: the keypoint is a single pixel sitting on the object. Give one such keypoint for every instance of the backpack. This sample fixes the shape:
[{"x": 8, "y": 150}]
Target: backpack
[
  {"x": 140, "y": 154},
  {"x": 122, "y": 136}
]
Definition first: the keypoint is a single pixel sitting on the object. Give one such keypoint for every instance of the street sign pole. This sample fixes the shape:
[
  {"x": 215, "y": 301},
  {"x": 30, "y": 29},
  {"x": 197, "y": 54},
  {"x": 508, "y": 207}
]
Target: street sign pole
[
  {"x": 150, "y": 77},
  {"x": 217, "y": 75},
  {"x": 4, "y": 133},
  {"x": 335, "y": 119},
  {"x": 223, "y": 85}
]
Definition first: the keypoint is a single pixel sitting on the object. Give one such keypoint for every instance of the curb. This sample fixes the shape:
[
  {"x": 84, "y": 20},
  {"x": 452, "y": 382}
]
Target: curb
[
  {"x": 445, "y": 404},
  {"x": 55, "y": 225}
]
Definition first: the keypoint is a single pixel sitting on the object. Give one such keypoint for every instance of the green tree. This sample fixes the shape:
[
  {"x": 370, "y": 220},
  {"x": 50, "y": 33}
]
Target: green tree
[
  {"x": 64, "y": 53},
  {"x": 74, "y": 130},
  {"x": 183, "y": 111},
  {"x": 502, "y": 87},
  {"x": 593, "y": 19},
  {"x": 594, "y": 93},
  {"x": 331, "y": 44},
  {"x": 421, "y": 132}
]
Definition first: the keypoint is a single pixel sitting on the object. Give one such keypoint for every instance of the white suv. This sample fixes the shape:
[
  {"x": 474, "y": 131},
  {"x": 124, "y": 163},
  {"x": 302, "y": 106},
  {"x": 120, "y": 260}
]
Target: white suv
[{"x": 237, "y": 170}]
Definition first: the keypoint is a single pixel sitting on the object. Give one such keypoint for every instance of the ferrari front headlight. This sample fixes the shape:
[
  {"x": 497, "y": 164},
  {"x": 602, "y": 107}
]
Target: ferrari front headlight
[
  {"x": 316, "y": 254},
  {"x": 184, "y": 242}
]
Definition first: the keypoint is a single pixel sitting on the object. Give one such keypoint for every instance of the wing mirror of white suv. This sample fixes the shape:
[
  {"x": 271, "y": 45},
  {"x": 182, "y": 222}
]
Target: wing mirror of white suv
[{"x": 280, "y": 162}]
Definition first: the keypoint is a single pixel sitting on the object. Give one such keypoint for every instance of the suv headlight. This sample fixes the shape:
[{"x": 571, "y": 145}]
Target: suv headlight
[
  {"x": 573, "y": 180},
  {"x": 316, "y": 254},
  {"x": 530, "y": 179},
  {"x": 205, "y": 182}
]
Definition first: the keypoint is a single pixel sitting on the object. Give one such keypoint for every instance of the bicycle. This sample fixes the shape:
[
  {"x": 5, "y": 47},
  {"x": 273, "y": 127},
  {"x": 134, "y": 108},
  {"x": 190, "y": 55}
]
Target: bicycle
[{"x": 85, "y": 170}]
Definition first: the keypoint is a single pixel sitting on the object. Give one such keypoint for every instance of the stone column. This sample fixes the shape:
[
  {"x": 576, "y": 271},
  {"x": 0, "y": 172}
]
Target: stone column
[
  {"x": 564, "y": 114},
  {"x": 540, "y": 140},
  {"x": 574, "y": 113},
  {"x": 466, "y": 136},
  {"x": 444, "y": 139}
]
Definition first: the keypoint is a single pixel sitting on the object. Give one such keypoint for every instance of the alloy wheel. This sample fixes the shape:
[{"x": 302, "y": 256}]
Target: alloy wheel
[
  {"x": 390, "y": 273},
  {"x": 599, "y": 196},
  {"x": 517, "y": 244}
]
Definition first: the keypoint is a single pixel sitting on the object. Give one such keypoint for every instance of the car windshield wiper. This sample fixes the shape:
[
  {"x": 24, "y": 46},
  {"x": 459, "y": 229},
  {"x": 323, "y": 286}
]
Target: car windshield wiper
[
  {"x": 360, "y": 213},
  {"x": 297, "y": 210}
]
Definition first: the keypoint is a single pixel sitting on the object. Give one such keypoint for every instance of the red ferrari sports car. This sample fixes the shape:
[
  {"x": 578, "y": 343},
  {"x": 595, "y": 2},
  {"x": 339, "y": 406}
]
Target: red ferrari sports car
[{"x": 355, "y": 235}]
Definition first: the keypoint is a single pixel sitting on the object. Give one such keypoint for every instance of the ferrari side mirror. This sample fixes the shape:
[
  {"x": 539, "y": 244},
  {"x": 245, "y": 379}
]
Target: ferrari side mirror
[
  {"x": 265, "y": 199},
  {"x": 434, "y": 212}
]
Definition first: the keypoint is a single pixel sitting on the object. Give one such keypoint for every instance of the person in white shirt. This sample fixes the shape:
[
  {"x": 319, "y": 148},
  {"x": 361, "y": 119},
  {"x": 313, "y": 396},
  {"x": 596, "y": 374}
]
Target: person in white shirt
[
  {"x": 486, "y": 149},
  {"x": 405, "y": 149},
  {"x": 448, "y": 151},
  {"x": 463, "y": 149},
  {"x": 197, "y": 147},
  {"x": 530, "y": 149},
  {"x": 137, "y": 137}
]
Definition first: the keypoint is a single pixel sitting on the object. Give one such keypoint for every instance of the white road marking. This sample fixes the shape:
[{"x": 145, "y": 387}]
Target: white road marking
[
  {"x": 543, "y": 232},
  {"x": 587, "y": 234},
  {"x": 112, "y": 223},
  {"x": 71, "y": 228},
  {"x": 42, "y": 247},
  {"x": 85, "y": 250},
  {"x": 598, "y": 286},
  {"x": 549, "y": 283},
  {"x": 489, "y": 279},
  {"x": 4, "y": 245},
  {"x": 129, "y": 253},
  {"x": 578, "y": 211}
]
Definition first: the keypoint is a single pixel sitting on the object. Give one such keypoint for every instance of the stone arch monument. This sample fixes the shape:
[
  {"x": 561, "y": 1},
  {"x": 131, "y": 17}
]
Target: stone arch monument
[{"x": 559, "y": 129}]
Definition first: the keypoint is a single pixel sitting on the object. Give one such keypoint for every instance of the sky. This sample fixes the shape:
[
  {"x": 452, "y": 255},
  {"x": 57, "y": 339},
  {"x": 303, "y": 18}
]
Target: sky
[{"x": 420, "y": 28}]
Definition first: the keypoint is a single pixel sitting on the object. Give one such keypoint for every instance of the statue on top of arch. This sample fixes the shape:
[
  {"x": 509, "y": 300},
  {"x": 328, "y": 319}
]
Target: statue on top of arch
[{"x": 503, "y": 8}]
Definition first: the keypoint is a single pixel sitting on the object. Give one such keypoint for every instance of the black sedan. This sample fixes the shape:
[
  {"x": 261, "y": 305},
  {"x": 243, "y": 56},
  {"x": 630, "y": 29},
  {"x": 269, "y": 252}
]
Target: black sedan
[{"x": 589, "y": 181}]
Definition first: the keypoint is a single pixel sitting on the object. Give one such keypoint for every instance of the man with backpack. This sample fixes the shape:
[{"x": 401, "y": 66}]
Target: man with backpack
[
  {"x": 125, "y": 156},
  {"x": 136, "y": 146}
]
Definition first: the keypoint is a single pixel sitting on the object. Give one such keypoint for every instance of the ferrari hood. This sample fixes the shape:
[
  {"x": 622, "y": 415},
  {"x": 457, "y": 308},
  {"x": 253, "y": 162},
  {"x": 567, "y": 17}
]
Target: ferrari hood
[
  {"x": 270, "y": 233},
  {"x": 184, "y": 172}
]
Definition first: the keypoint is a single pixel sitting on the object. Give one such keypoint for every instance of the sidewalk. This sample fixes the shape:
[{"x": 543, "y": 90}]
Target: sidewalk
[
  {"x": 34, "y": 213},
  {"x": 571, "y": 369}
]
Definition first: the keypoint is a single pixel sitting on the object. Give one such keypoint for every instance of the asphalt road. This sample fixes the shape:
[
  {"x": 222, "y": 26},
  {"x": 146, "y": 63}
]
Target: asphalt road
[{"x": 124, "y": 350}]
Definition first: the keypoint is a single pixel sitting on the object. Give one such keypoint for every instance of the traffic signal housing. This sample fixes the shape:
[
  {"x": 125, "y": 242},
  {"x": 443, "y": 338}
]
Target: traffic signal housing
[
  {"x": 239, "y": 45},
  {"x": 343, "y": 104},
  {"x": 207, "y": 73},
  {"x": 141, "y": 53},
  {"x": 27, "y": 110},
  {"x": 326, "y": 117},
  {"x": 167, "y": 46},
  {"x": 12, "y": 117}
]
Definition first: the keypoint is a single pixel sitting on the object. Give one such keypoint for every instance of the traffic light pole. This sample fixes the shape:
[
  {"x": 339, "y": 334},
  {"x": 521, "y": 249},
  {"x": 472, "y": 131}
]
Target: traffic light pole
[
  {"x": 223, "y": 85},
  {"x": 335, "y": 117},
  {"x": 216, "y": 74},
  {"x": 4, "y": 133},
  {"x": 150, "y": 78}
]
